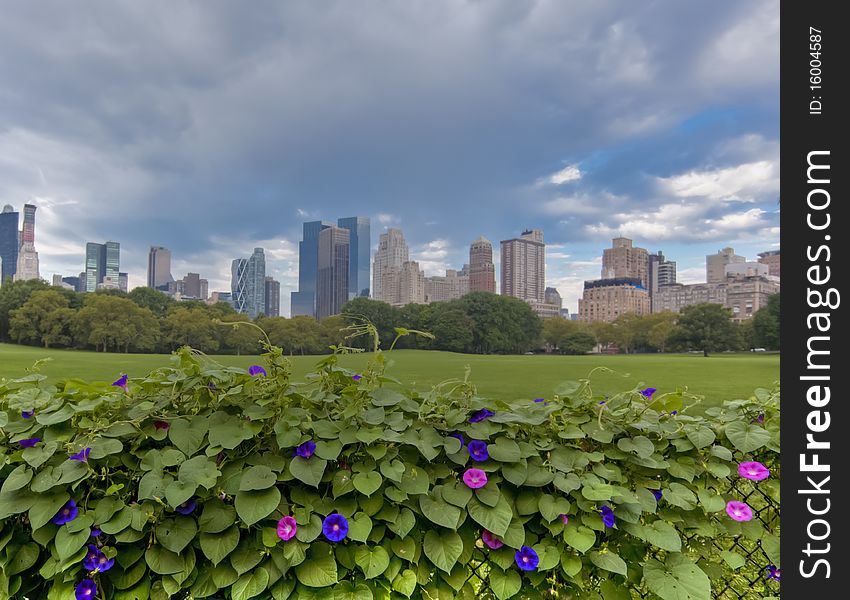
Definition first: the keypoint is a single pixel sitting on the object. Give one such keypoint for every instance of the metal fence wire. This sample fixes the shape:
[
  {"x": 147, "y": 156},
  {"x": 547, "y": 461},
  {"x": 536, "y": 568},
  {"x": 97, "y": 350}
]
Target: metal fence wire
[{"x": 745, "y": 578}]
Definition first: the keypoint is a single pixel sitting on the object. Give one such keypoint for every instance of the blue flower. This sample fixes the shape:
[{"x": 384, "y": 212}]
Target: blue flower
[
  {"x": 122, "y": 382},
  {"x": 481, "y": 415},
  {"x": 657, "y": 494},
  {"x": 772, "y": 572},
  {"x": 66, "y": 514},
  {"x": 647, "y": 393},
  {"x": 335, "y": 527},
  {"x": 357, "y": 377},
  {"x": 85, "y": 590},
  {"x": 26, "y": 414},
  {"x": 29, "y": 442},
  {"x": 540, "y": 399},
  {"x": 82, "y": 455},
  {"x": 96, "y": 561},
  {"x": 306, "y": 449},
  {"x": 607, "y": 516},
  {"x": 459, "y": 437},
  {"x": 478, "y": 450},
  {"x": 256, "y": 370},
  {"x": 526, "y": 558},
  {"x": 95, "y": 532},
  {"x": 187, "y": 507}
]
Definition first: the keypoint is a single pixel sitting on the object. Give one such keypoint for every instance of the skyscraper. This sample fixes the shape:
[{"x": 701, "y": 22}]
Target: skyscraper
[
  {"x": 332, "y": 287},
  {"x": 392, "y": 253},
  {"x": 715, "y": 264},
  {"x": 27, "y": 267},
  {"x": 360, "y": 250},
  {"x": 247, "y": 284},
  {"x": 660, "y": 272},
  {"x": 524, "y": 266},
  {"x": 9, "y": 243},
  {"x": 159, "y": 267},
  {"x": 482, "y": 271},
  {"x": 272, "y": 291},
  {"x": 304, "y": 300},
  {"x": 102, "y": 265},
  {"x": 623, "y": 259}
]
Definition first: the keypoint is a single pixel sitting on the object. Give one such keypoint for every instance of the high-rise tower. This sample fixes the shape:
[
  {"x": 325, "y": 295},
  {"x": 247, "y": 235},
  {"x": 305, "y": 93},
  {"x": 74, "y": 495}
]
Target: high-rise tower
[
  {"x": 10, "y": 243},
  {"x": 392, "y": 253},
  {"x": 332, "y": 286},
  {"x": 247, "y": 284},
  {"x": 159, "y": 267},
  {"x": 360, "y": 250},
  {"x": 304, "y": 300},
  {"x": 27, "y": 267},
  {"x": 482, "y": 271},
  {"x": 524, "y": 266}
]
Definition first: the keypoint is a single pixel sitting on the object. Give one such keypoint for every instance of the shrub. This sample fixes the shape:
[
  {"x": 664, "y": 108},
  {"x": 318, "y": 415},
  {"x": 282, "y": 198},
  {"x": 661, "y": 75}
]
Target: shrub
[{"x": 203, "y": 481}]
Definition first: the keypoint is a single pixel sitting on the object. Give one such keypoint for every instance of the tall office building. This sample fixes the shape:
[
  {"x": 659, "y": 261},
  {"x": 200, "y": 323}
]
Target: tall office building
[
  {"x": 102, "y": 266},
  {"x": 392, "y": 253},
  {"x": 159, "y": 268},
  {"x": 123, "y": 282},
  {"x": 623, "y": 259},
  {"x": 454, "y": 285},
  {"x": 660, "y": 272},
  {"x": 607, "y": 299},
  {"x": 194, "y": 287},
  {"x": 304, "y": 300},
  {"x": 360, "y": 251},
  {"x": 10, "y": 243},
  {"x": 27, "y": 267},
  {"x": 272, "y": 291},
  {"x": 715, "y": 264},
  {"x": 524, "y": 266},
  {"x": 482, "y": 271},
  {"x": 332, "y": 286},
  {"x": 771, "y": 259},
  {"x": 247, "y": 284}
]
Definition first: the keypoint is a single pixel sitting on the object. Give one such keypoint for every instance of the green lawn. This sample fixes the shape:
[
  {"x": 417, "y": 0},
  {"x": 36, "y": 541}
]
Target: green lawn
[{"x": 718, "y": 377}]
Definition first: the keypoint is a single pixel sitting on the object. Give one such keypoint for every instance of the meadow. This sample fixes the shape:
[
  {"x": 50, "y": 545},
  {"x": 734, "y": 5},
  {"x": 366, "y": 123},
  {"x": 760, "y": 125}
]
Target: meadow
[{"x": 719, "y": 377}]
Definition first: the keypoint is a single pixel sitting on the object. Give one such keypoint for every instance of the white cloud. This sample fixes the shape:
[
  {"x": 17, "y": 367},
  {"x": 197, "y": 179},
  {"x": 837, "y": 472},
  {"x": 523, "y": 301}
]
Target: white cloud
[
  {"x": 690, "y": 275},
  {"x": 583, "y": 204},
  {"x": 387, "y": 219},
  {"x": 744, "y": 182},
  {"x": 568, "y": 173}
]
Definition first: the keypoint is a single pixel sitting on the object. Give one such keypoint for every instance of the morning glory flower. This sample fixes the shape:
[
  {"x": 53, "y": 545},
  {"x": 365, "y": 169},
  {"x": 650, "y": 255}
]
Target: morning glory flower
[
  {"x": 657, "y": 494},
  {"x": 96, "y": 560},
  {"x": 187, "y": 507},
  {"x": 459, "y": 437},
  {"x": 478, "y": 450},
  {"x": 287, "y": 528},
  {"x": 335, "y": 527},
  {"x": 754, "y": 471},
  {"x": 772, "y": 572},
  {"x": 256, "y": 370},
  {"x": 739, "y": 511},
  {"x": 122, "y": 383},
  {"x": 95, "y": 532},
  {"x": 29, "y": 442},
  {"x": 85, "y": 590},
  {"x": 481, "y": 415},
  {"x": 526, "y": 558},
  {"x": 161, "y": 425},
  {"x": 26, "y": 414},
  {"x": 540, "y": 399},
  {"x": 673, "y": 413},
  {"x": 491, "y": 540},
  {"x": 306, "y": 449},
  {"x": 357, "y": 377},
  {"x": 607, "y": 516},
  {"x": 82, "y": 455},
  {"x": 647, "y": 393},
  {"x": 66, "y": 514},
  {"x": 565, "y": 519},
  {"x": 475, "y": 478},
  {"x": 760, "y": 419}
]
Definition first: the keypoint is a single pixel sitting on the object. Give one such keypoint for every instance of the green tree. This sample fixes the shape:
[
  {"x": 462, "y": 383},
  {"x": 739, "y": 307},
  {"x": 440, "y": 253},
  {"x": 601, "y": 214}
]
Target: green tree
[
  {"x": 243, "y": 339},
  {"x": 298, "y": 335},
  {"x": 382, "y": 315},
  {"x": 190, "y": 327},
  {"x": 663, "y": 325},
  {"x": 331, "y": 333},
  {"x": 108, "y": 321},
  {"x": 501, "y": 324},
  {"x": 567, "y": 336},
  {"x": 766, "y": 324},
  {"x": 707, "y": 327},
  {"x": 154, "y": 300},
  {"x": 13, "y": 295},
  {"x": 603, "y": 331},
  {"x": 452, "y": 328},
  {"x": 45, "y": 318}
]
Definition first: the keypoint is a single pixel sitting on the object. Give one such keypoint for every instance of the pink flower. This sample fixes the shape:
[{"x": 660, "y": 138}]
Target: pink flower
[
  {"x": 754, "y": 471},
  {"x": 475, "y": 478},
  {"x": 739, "y": 511},
  {"x": 565, "y": 519},
  {"x": 286, "y": 528},
  {"x": 491, "y": 540}
]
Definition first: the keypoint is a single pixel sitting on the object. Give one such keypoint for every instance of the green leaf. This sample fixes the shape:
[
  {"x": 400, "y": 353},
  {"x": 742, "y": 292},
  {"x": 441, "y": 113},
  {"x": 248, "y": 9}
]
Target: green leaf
[
  {"x": 188, "y": 434},
  {"x": 256, "y": 505},
  {"x": 700, "y": 436},
  {"x": 551, "y": 507},
  {"x": 710, "y": 501},
  {"x": 495, "y": 518},
  {"x": 678, "y": 579},
  {"x": 68, "y": 542},
  {"x": 347, "y": 590},
  {"x": 579, "y": 537},
  {"x": 40, "y": 454},
  {"x": 175, "y": 534},
  {"x": 568, "y": 459},
  {"x": 24, "y": 558},
  {"x": 733, "y": 559},
  {"x": 45, "y": 506},
  {"x": 504, "y": 584},
  {"x": 260, "y": 477},
  {"x": 404, "y": 548},
  {"x": 308, "y": 470},
  {"x": 456, "y": 493},
  {"x": 443, "y": 548},
  {"x": 228, "y": 431},
  {"x": 415, "y": 480},
  {"x": 439, "y": 512},
  {"x": 367, "y": 483},
  {"x": 55, "y": 417},
  {"x": 405, "y": 583},
  {"x": 392, "y": 469},
  {"x": 612, "y": 590},
  {"x": 359, "y": 527},
  {"x": 162, "y": 561},
  {"x": 664, "y": 536},
  {"x": 403, "y": 523},
  {"x": 216, "y": 546},
  {"x": 610, "y": 561},
  {"x": 386, "y": 397},
  {"x": 250, "y": 584},
  {"x": 504, "y": 450},
  {"x": 640, "y": 445},
  {"x": 216, "y": 516},
  {"x": 747, "y": 437},
  {"x": 318, "y": 571},
  {"x": 679, "y": 495},
  {"x": 103, "y": 447},
  {"x": 372, "y": 561},
  {"x": 17, "y": 479},
  {"x": 199, "y": 470}
]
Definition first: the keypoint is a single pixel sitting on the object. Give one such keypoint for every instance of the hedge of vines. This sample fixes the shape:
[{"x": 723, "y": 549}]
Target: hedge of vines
[{"x": 203, "y": 481}]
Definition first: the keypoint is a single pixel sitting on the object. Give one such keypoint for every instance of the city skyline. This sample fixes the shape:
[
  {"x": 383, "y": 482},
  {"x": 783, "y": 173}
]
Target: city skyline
[{"x": 547, "y": 115}]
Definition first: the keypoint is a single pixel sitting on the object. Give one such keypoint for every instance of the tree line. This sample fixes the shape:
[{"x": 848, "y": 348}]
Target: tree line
[{"x": 146, "y": 320}]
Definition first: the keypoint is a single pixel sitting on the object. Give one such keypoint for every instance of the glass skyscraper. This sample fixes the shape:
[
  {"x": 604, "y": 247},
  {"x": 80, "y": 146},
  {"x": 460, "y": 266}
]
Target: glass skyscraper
[
  {"x": 332, "y": 287},
  {"x": 248, "y": 284},
  {"x": 102, "y": 265},
  {"x": 304, "y": 300},
  {"x": 359, "y": 256},
  {"x": 9, "y": 243}
]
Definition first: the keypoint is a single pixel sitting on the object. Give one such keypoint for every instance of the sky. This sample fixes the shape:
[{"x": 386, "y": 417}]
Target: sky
[{"x": 214, "y": 127}]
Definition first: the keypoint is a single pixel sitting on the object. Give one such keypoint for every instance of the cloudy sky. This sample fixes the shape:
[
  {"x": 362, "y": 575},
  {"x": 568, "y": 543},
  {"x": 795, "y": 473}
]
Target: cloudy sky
[{"x": 214, "y": 127}]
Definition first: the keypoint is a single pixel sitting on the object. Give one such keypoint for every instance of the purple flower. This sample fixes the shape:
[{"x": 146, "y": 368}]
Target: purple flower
[
  {"x": 306, "y": 449},
  {"x": 66, "y": 514},
  {"x": 357, "y": 377},
  {"x": 85, "y": 590},
  {"x": 475, "y": 478},
  {"x": 673, "y": 413},
  {"x": 481, "y": 415},
  {"x": 96, "y": 561},
  {"x": 607, "y": 516},
  {"x": 602, "y": 402},
  {"x": 760, "y": 419},
  {"x": 161, "y": 425},
  {"x": 478, "y": 450},
  {"x": 754, "y": 471},
  {"x": 211, "y": 385},
  {"x": 26, "y": 414},
  {"x": 287, "y": 528},
  {"x": 256, "y": 370},
  {"x": 739, "y": 511},
  {"x": 335, "y": 527},
  {"x": 772, "y": 572},
  {"x": 526, "y": 558},
  {"x": 187, "y": 507},
  {"x": 491, "y": 540},
  {"x": 657, "y": 494},
  {"x": 95, "y": 532},
  {"x": 459, "y": 437},
  {"x": 122, "y": 383},
  {"x": 565, "y": 519},
  {"x": 82, "y": 455},
  {"x": 540, "y": 399},
  {"x": 647, "y": 393},
  {"x": 29, "y": 443}
]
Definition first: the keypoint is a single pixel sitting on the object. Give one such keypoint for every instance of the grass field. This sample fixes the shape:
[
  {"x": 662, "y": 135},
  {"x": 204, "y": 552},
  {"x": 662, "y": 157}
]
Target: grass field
[{"x": 718, "y": 377}]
